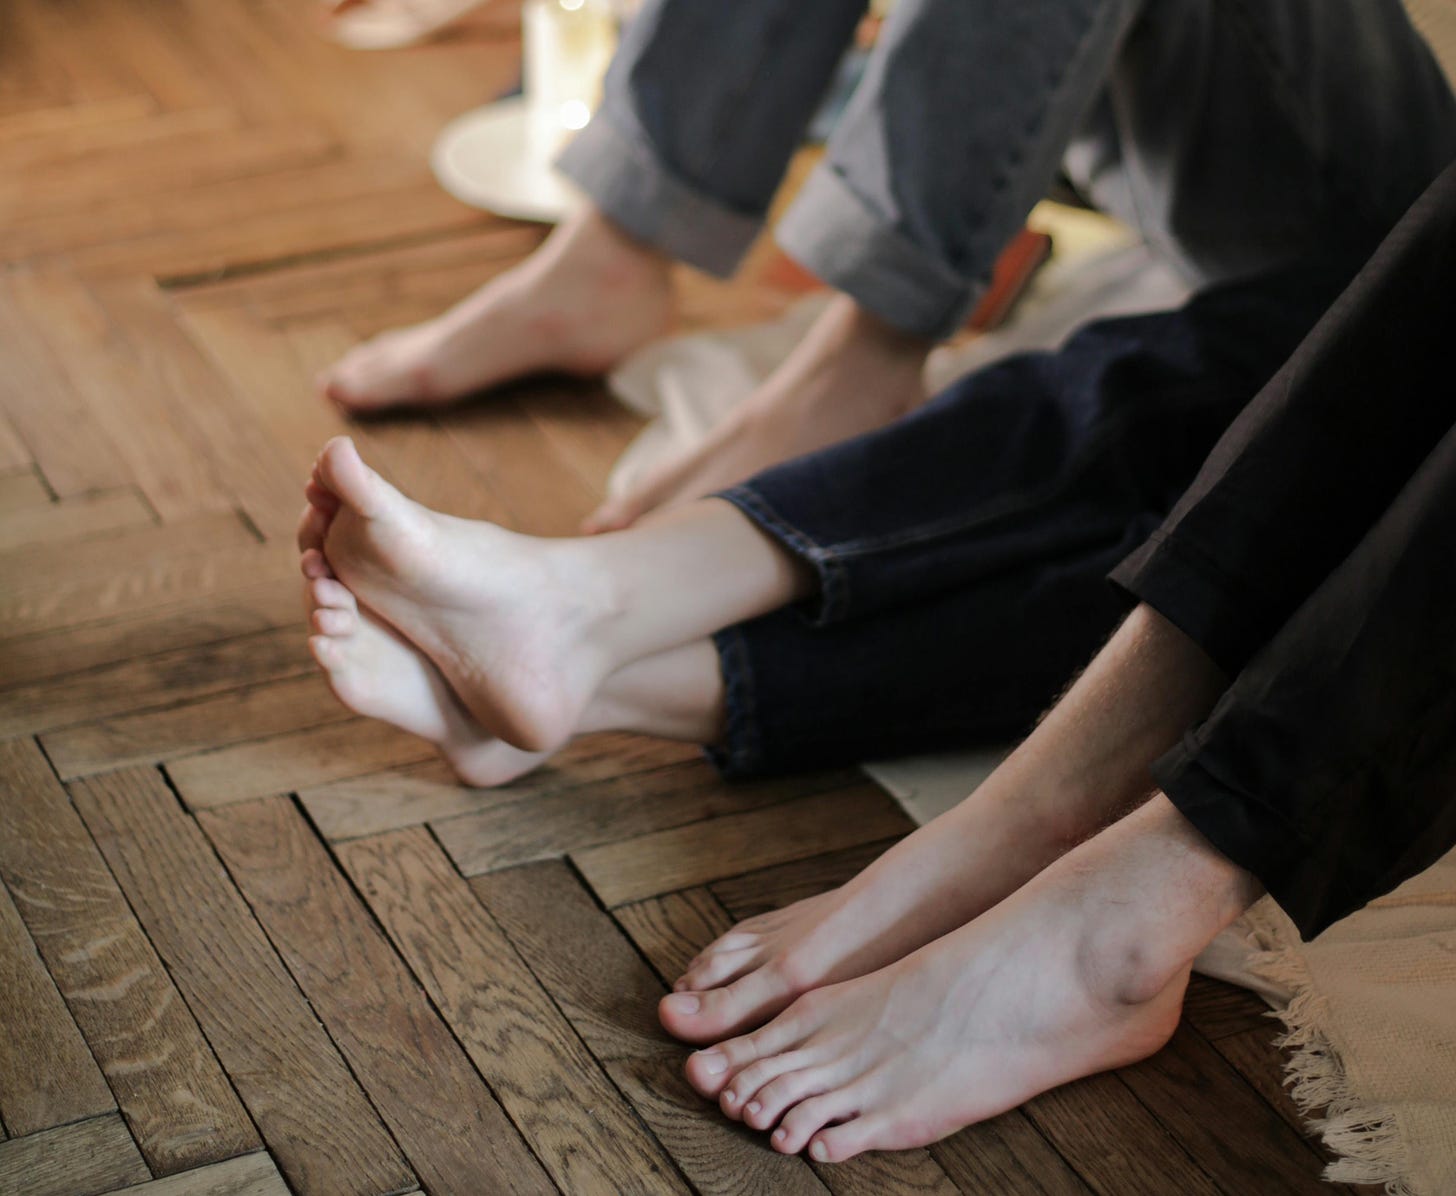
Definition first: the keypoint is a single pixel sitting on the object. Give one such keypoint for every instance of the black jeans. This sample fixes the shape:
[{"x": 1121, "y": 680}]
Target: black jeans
[
  {"x": 1314, "y": 558},
  {"x": 962, "y": 553}
]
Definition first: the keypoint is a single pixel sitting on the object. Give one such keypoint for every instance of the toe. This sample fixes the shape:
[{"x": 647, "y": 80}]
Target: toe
[
  {"x": 719, "y": 1012},
  {"x": 785, "y": 1091},
  {"x": 330, "y": 592},
  {"x": 611, "y": 516},
  {"x": 321, "y": 498},
  {"x": 313, "y": 526},
  {"x": 326, "y": 652},
  {"x": 343, "y": 472},
  {"x": 720, "y": 967},
  {"x": 710, "y": 1071},
  {"x": 334, "y": 623},
  {"x": 841, "y": 1142},
  {"x": 313, "y": 565},
  {"x": 743, "y": 1097},
  {"x": 808, "y": 1117}
]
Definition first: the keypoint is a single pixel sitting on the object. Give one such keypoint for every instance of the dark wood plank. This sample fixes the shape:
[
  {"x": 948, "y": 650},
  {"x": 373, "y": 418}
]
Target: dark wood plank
[
  {"x": 773, "y": 888},
  {"x": 692, "y": 855},
  {"x": 668, "y": 930},
  {"x": 289, "y": 762},
  {"x": 610, "y": 995},
  {"x": 312, "y": 1114},
  {"x": 1006, "y": 1154},
  {"x": 80, "y": 1159},
  {"x": 169, "y": 677},
  {"x": 581, "y": 1129},
  {"x": 1246, "y": 1145},
  {"x": 257, "y": 712},
  {"x": 442, "y": 1114},
  {"x": 245, "y": 1175},
  {"x": 47, "y": 1074},
  {"x": 368, "y": 805},
  {"x": 552, "y": 824},
  {"x": 1217, "y": 1009},
  {"x": 176, "y": 1099}
]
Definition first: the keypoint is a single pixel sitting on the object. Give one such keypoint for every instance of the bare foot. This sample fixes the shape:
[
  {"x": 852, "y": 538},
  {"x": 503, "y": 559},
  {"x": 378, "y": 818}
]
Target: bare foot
[
  {"x": 501, "y": 616},
  {"x": 584, "y": 300},
  {"x": 851, "y": 374},
  {"x": 376, "y": 673},
  {"x": 1080, "y": 971}
]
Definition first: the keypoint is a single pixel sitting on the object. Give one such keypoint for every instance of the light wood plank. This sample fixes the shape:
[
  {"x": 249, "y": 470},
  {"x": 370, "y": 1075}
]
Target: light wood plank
[
  {"x": 13, "y": 454},
  {"x": 188, "y": 673},
  {"x": 577, "y": 1123},
  {"x": 287, "y": 763},
  {"x": 543, "y": 826},
  {"x": 311, "y": 1112},
  {"x": 428, "y": 792},
  {"x": 21, "y": 491},
  {"x": 258, "y": 712},
  {"x": 176, "y": 1099},
  {"x": 246, "y": 1175},
  {"x": 609, "y": 995},
  {"x": 74, "y": 519},
  {"x": 708, "y": 851},
  {"x": 215, "y": 612},
  {"x": 451, "y": 1129},
  {"x": 81, "y": 1159},
  {"x": 47, "y": 1074}
]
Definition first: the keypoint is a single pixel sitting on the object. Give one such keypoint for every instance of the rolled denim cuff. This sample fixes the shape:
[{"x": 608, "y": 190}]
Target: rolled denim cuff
[
  {"x": 617, "y": 167},
  {"x": 834, "y": 234},
  {"x": 740, "y": 754},
  {"x": 831, "y": 603}
]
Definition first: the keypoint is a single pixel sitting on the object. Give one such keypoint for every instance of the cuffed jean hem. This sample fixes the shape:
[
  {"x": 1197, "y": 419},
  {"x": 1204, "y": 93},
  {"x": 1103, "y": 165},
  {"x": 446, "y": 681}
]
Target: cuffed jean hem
[
  {"x": 741, "y": 754},
  {"x": 832, "y": 601},
  {"x": 1259, "y": 839},
  {"x": 830, "y": 231},
  {"x": 626, "y": 180}
]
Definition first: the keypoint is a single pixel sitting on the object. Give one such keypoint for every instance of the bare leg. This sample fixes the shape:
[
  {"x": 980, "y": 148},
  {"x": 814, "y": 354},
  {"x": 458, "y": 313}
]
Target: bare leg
[
  {"x": 524, "y": 630},
  {"x": 585, "y": 299},
  {"x": 851, "y": 374},
  {"x": 1081, "y": 970},
  {"x": 1083, "y": 767}
]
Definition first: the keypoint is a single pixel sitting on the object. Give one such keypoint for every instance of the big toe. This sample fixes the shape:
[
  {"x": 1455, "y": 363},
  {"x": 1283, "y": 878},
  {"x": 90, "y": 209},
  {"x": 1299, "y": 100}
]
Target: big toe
[
  {"x": 342, "y": 470},
  {"x": 711, "y": 1015}
]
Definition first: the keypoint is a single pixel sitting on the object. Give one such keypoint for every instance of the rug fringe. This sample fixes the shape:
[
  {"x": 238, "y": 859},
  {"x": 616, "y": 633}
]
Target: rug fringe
[{"x": 1362, "y": 1135}]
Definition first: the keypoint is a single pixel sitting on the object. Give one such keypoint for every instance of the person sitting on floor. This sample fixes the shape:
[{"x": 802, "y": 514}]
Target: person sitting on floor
[
  {"x": 1274, "y": 715},
  {"x": 1235, "y": 138}
]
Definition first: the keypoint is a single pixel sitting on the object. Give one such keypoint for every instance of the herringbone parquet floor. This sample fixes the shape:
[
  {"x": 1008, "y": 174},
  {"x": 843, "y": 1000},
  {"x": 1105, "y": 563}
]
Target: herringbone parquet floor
[{"x": 252, "y": 945}]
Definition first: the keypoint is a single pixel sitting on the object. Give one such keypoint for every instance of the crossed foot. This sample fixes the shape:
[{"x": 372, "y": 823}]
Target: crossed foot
[{"x": 970, "y": 967}]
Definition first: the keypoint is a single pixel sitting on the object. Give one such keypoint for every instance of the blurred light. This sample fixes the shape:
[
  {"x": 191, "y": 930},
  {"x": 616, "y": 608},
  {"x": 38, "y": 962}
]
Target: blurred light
[
  {"x": 573, "y": 114},
  {"x": 571, "y": 5}
]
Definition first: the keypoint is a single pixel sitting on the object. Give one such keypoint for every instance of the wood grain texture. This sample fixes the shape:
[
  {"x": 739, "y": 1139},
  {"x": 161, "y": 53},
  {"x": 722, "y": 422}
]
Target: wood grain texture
[
  {"x": 73, "y": 519},
  {"x": 289, "y": 762},
  {"x": 609, "y": 995},
  {"x": 553, "y": 824},
  {"x": 429, "y": 792},
  {"x": 584, "y": 1133},
  {"x": 47, "y": 1074},
  {"x": 444, "y": 1117},
  {"x": 245, "y": 1175},
  {"x": 1217, "y": 1009},
  {"x": 312, "y": 1114},
  {"x": 764, "y": 889},
  {"x": 177, "y": 1102},
  {"x": 722, "y": 847},
  {"x": 236, "y": 716},
  {"x": 81, "y": 1159}
]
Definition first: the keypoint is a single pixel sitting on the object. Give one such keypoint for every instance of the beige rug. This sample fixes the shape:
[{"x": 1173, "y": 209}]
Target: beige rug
[{"x": 1369, "y": 1008}]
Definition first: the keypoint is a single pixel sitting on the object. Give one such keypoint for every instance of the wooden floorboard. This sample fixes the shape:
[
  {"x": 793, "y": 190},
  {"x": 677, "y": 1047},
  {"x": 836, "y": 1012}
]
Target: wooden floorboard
[{"x": 251, "y": 944}]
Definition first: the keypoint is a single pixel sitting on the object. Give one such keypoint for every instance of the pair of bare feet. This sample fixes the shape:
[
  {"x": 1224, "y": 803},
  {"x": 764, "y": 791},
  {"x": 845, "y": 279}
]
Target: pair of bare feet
[
  {"x": 997, "y": 952},
  {"x": 591, "y": 296}
]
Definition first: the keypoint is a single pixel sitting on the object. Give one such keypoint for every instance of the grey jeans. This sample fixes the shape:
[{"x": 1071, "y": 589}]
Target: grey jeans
[{"x": 1236, "y": 135}]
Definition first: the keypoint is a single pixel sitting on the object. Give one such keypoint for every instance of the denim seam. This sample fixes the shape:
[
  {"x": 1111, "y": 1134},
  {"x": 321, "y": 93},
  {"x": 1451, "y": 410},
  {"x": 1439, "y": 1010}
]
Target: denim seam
[
  {"x": 833, "y": 578},
  {"x": 742, "y": 750}
]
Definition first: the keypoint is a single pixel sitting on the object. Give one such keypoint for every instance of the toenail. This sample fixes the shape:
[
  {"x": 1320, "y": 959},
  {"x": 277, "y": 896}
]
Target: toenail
[
  {"x": 731, "y": 1097},
  {"x": 713, "y": 1062},
  {"x": 820, "y": 1152},
  {"x": 753, "y": 1107},
  {"x": 780, "y": 1134},
  {"x": 685, "y": 1004}
]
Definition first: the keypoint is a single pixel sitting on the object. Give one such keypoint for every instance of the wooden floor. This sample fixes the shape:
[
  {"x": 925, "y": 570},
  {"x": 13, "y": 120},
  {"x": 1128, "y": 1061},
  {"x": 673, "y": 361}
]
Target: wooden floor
[{"x": 248, "y": 943}]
